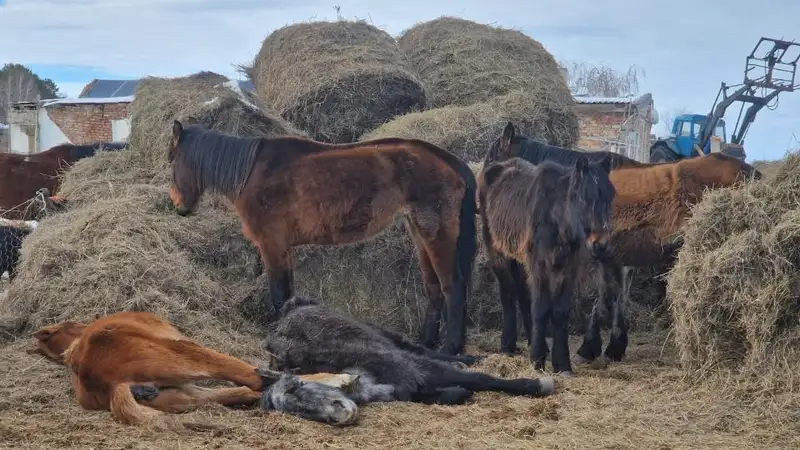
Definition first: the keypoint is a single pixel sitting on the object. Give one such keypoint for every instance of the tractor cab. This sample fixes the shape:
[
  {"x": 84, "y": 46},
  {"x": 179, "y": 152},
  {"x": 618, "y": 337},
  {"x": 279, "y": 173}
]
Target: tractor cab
[{"x": 687, "y": 132}]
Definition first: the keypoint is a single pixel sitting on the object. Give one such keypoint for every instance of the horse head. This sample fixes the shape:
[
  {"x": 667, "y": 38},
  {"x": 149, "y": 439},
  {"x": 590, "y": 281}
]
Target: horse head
[
  {"x": 503, "y": 148},
  {"x": 52, "y": 341},
  {"x": 310, "y": 400},
  {"x": 592, "y": 192},
  {"x": 723, "y": 170},
  {"x": 183, "y": 189}
]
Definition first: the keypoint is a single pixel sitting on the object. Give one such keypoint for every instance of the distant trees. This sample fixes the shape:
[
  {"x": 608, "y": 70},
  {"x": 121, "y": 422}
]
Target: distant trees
[
  {"x": 19, "y": 84},
  {"x": 602, "y": 81}
]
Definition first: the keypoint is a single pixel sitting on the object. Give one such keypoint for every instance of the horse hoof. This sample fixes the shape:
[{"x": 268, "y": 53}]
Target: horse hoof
[
  {"x": 578, "y": 359},
  {"x": 567, "y": 373},
  {"x": 547, "y": 385}
]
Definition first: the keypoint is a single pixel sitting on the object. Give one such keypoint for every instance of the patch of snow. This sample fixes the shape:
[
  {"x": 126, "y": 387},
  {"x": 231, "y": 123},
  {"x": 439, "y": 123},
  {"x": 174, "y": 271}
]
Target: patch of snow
[
  {"x": 234, "y": 86},
  {"x": 3, "y": 125},
  {"x": 76, "y": 101},
  {"x": 212, "y": 101}
]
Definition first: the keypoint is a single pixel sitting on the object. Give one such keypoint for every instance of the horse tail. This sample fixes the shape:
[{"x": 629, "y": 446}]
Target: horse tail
[
  {"x": 125, "y": 409},
  {"x": 467, "y": 242}
]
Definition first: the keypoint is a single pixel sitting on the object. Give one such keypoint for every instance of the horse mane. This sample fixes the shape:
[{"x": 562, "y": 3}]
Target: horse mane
[
  {"x": 536, "y": 152},
  {"x": 219, "y": 161}
]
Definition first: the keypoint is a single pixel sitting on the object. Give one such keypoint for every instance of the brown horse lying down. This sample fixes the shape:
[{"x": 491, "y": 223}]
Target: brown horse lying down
[{"x": 139, "y": 367}]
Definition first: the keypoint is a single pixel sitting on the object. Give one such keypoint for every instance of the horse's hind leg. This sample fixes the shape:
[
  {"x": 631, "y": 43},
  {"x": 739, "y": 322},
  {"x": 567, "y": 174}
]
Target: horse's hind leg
[
  {"x": 441, "y": 250},
  {"x": 187, "y": 398},
  {"x": 618, "y": 342},
  {"x": 429, "y": 335}
]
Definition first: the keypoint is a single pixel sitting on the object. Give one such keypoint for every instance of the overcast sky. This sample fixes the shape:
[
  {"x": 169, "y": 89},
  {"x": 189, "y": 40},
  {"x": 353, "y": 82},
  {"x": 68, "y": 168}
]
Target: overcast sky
[{"x": 686, "y": 47}]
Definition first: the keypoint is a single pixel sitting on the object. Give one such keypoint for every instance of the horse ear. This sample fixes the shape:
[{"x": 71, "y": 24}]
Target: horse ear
[
  {"x": 508, "y": 136},
  {"x": 177, "y": 129},
  {"x": 492, "y": 173},
  {"x": 43, "y": 334},
  {"x": 605, "y": 163}
]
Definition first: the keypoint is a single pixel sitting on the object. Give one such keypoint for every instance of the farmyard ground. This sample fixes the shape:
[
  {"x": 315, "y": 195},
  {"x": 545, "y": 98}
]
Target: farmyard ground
[{"x": 642, "y": 403}]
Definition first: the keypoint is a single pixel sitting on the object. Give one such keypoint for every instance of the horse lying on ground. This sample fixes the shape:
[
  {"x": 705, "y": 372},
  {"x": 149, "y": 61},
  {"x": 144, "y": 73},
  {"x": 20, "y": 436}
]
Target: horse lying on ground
[
  {"x": 652, "y": 203},
  {"x": 551, "y": 219},
  {"x": 310, "y": 338},
  {"x": 12, "y": 233},
  {"x": 139, "y": 367},
  {"x": 22, "y": 174},
  {"x": 291, "y": 191}
]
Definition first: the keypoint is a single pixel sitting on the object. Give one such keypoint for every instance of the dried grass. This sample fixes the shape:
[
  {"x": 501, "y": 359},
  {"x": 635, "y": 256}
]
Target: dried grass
[
  {"x": 463, "y": 62},
  {"x": 733, "y": 293},
  {"x": 469, "y": 130},
  {"x": 641, "y": 403},
  {"x": 335, "y": 80}
]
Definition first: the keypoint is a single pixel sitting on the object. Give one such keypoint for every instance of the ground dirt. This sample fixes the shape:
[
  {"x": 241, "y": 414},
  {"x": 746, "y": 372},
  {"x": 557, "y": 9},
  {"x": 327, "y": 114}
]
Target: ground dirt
[{"x": 641, "y": 403}]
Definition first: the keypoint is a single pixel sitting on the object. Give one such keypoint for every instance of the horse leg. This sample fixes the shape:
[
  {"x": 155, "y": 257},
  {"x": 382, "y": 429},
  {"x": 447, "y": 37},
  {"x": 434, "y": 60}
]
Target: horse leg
[
  {"x": 403, "y": 344},
  {"x": 442, "y": 251},
  {"x": 186, "y": 398},
  {"x": 540, "y": 314},
  {"x": 439, "y": 375},
  {"x": 429, "y": 335},
  {"x": 523, "y": 298},
  {"x": 561, "y": 306},
  {"x": 592, "y": 345},
  {"x": 278, "y": 265},
  {"x": 507, "y": 286},
  {"x": 618, "y": 342}
]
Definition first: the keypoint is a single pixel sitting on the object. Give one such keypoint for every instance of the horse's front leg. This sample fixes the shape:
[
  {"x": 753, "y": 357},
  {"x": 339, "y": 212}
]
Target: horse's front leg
[
  {"x": 501, "y": 267},
  {"x": 540, "y": 315},
  {"x": 592, "y": 346},
  {"x": 562, "y": 297},
  {"x": 278, "y": 265}
]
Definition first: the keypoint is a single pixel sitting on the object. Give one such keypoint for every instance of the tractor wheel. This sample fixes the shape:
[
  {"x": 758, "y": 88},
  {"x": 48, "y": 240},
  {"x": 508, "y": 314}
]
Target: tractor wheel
[{"x": 661, "y": 153}]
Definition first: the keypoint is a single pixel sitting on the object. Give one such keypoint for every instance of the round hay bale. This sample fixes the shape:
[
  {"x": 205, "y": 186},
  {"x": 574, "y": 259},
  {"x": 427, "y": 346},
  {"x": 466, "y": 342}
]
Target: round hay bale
[
  {"x": 733, "y": 292},
  {"x": 469, "y": 130},
  {"x": 463, "y": 62},
  {"x": 335, "y": 80}
]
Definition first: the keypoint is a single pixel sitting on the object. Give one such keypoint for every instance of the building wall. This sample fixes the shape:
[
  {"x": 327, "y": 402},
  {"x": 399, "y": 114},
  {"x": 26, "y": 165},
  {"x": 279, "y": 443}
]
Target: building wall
[
  {"x": 50, "y": 133},
  {"x": 615, "y": 127},
  {"x": 87, "y": 123},
  {"x": 22, "y": 130}
]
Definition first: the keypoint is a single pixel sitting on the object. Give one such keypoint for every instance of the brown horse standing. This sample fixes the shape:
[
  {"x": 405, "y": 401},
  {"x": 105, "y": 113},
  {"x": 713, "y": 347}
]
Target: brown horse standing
[
  {"x": 22, "y": 175},
  {"x": 652, "y": 203},
  {"x": 551, "y": 219},
  {"x": 291, "y": 191}
]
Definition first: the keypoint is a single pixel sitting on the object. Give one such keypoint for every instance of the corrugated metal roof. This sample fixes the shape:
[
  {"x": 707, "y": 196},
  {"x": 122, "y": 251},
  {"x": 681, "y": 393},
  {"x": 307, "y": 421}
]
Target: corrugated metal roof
[
  {"x": 85, "y": 100},
  {"x": 110, "y": 88},
  {"x": 602, "y": 100}
]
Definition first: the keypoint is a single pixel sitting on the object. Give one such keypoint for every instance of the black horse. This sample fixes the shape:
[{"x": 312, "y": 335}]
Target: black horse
[
  {"x": 311, "y": 338},
  {"x": 552, "y": 219},
  {"x": 10, "y": 242}
]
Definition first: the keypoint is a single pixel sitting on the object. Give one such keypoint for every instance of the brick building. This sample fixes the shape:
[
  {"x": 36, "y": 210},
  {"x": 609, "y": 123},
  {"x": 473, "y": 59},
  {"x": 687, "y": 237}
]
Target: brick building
[{"x": 619, "y": 124}]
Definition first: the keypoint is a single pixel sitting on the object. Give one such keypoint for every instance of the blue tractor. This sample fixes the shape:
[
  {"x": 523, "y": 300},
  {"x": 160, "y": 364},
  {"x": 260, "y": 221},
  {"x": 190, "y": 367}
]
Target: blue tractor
[{"x": 699, "y": 135}]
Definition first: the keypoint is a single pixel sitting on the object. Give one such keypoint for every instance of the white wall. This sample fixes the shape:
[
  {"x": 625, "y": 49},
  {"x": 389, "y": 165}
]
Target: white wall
[
  {"x": 18, "y": 141},
  {"x": 49, "y": 133},
  {"x": 120, "y": 129}
]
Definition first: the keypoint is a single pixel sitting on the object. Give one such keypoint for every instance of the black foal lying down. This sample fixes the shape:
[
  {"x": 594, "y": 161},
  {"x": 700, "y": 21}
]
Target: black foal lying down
[{"x": 310, "y": 338}]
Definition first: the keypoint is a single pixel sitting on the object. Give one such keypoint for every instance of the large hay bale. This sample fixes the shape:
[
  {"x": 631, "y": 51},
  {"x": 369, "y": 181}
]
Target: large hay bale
[
  {"x": 734, "y": 293},
  {"x": 469, "y": 130},
  {"x": 121, "y": 247},
  {"x": 335, "y": 80},
  {"x": 463, "y": 62}
]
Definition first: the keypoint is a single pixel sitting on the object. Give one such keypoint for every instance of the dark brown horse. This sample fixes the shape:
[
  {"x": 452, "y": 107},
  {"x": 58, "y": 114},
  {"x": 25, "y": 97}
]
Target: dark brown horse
[
  {"x": 651, "y": 205},
  {"x": 21, "y": 175},
  {"x": 551, "y": 219},
  {"x": 291, "y": 191}
]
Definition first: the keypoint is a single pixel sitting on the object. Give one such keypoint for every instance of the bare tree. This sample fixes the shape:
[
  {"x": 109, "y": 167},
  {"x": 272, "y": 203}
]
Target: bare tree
[
  {"x": 19, "y": 84},
  {"x": 602, "y": 81},
  {"x": 665, "y": 118}
]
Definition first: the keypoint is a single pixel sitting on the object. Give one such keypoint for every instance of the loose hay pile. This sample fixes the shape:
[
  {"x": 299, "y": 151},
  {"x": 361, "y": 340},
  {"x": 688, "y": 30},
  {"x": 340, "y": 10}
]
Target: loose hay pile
[
  {"x": 463, "y": 62},
  {"x": 735, "y": 290},
  {"x": 469, "y": 130},
  {"x": 121, "y": 247},
  {"x": 335, "y": 80}
]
